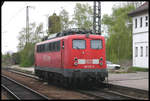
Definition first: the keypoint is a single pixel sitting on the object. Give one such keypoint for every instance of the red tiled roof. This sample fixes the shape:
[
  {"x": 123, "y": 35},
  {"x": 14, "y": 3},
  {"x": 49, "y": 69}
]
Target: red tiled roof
[{"x": 140, "y": 9}]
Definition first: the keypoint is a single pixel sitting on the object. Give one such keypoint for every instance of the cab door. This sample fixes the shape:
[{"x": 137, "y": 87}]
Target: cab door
[{"x": 62, "y": 53}]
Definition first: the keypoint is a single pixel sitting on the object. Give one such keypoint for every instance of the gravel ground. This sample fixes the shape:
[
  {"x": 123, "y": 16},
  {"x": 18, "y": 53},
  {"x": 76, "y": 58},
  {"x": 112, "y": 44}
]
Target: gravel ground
[
  {"x": 3, "y": 96},
  {"x": 50, "y": 91}
]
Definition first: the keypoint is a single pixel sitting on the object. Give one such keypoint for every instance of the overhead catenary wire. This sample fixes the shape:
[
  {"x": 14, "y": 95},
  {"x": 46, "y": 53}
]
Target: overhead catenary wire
[{"x": 20, "y": 10}]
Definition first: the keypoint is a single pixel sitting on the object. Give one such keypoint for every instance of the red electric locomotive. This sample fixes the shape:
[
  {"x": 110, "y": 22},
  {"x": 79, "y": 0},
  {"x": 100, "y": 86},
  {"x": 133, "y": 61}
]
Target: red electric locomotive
[{"x": 71, "y": 58}]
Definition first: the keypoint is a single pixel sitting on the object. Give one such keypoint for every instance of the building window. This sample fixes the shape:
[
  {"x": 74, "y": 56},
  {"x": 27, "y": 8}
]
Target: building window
[
  {"x": 146, "y": 21},
  {"x": 135, "y": 23},
  {"x": 141, "y": 51},
  {"x": 146, "y": 50},
  {"x": 136, "y": 51},
  {"x": 141, "y": 22}
]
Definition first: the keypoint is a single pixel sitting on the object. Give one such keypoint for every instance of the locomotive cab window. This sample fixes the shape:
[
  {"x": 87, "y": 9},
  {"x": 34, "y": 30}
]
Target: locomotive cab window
[
  {"x": 96, "y": 44},
  {"x": 79, "y": 44}
]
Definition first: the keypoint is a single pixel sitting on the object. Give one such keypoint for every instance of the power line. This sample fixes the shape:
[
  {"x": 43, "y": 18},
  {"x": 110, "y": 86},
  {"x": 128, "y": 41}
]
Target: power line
[{"x": 14, "y": 16}]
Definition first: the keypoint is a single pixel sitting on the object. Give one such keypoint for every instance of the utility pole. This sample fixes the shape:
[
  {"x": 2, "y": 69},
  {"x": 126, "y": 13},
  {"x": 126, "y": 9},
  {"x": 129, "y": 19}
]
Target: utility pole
[
  {"x": 94, "y": 17},
  {"x": 27, "y": 24},
  {"x": 97, "y": 18}
]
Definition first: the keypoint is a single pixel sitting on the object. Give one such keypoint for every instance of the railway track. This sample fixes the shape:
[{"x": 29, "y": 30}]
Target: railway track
[
  {"x": 136, "y": 93},
  {"x": 19, "y": 91},
  {"x": 25, "y": 74},
  {"x": 112, "y": 92},
  {"x": 106, "y": 94}
]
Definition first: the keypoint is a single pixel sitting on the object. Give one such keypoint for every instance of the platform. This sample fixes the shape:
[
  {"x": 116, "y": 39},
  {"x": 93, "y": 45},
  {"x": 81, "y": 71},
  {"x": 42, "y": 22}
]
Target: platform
[
  {"x": 23, "y": 68},
  {"x": 138, "y": 80}
]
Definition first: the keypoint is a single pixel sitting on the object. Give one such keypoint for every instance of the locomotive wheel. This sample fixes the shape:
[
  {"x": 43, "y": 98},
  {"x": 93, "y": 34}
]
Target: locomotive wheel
[
  {"x": 65, "y": 82},
  {"x": 74, "y": 83},
  {"x": 102, "y": 78}
]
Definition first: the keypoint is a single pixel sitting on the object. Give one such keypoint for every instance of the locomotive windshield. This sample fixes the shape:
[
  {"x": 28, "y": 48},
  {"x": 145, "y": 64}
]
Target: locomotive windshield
[
  {"x": 79, "y": 44},
  {"x": 96, "y": 44}
]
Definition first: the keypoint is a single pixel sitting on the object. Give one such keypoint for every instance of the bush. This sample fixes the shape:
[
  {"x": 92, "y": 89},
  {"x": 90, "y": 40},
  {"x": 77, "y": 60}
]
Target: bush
[{"x": 27, "y": 55}]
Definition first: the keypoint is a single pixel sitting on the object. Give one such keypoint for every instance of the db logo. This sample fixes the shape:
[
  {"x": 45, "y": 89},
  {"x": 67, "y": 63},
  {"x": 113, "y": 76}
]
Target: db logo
[{"x": 46, "y": 58}]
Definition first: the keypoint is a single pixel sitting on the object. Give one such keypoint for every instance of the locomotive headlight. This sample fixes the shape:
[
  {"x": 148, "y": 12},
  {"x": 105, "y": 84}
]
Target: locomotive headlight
[
  {"x": 75, "y": 59},
  {"x": 75, "y": 63},
  {"x": 101, "y": 59},
  {"x": 101, "y": 63}
]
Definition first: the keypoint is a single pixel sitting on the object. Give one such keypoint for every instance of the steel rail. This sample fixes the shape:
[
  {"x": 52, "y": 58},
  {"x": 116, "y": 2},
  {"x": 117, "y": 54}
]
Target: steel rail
[
  {"x": 102, "y": 94},
  {"x": 10, "y": 92},
  {"x": 20, "y": 90},
  {"x": 25, "y": 74},
  {"x": 137, "y": 93}
]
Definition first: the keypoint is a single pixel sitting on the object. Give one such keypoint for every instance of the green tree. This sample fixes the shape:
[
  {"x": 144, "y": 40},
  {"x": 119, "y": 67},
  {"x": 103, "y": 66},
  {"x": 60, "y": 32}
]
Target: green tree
[
  {"x": 64, "y": 19},
  {"x": 27, "y": 55},
  {"x": 119, "y": 43},
  {"x": 26, "y": 49},
  {"x": 22, "y": 39},
  {"x": 83, "y": 15},
  {"x": 33, "y": 37}
]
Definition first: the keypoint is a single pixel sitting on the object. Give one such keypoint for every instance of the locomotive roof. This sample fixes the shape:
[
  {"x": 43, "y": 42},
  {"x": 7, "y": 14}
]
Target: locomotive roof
[
  {"x": 71, "y": 31},
  {"x": 71, "y": 36},
  {"x": 78, "y": 32}
]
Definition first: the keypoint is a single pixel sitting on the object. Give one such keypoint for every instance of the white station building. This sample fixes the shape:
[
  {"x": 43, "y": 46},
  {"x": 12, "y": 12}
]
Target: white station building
[{"x": 140, "y": 36}]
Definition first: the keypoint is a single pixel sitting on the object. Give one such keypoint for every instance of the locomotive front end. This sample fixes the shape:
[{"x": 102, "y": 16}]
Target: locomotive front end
[{"x": 88, "y": 60}]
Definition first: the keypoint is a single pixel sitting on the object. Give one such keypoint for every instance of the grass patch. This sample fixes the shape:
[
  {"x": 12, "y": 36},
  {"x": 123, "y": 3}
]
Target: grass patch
[{"x": 136, "y": 69}]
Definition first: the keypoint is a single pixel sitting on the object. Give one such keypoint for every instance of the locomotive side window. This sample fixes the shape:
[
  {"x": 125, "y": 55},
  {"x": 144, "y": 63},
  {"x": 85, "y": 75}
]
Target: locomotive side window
[
  {"x": 53, "y": 46},
  {"x": 43, "y": 47},
  {"x": 39, "y": 48},
  {"x": 96, "y": 44},
  {"x": 46, "y": 47},
  {"x": 49, "y": 47},
  {"x": 58, "y": 46},
  {"x": 79, "y": 44}
]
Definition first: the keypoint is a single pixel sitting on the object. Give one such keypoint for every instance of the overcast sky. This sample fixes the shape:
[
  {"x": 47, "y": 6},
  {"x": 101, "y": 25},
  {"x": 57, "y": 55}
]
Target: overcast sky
[{"x": 13, "y": 17}]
